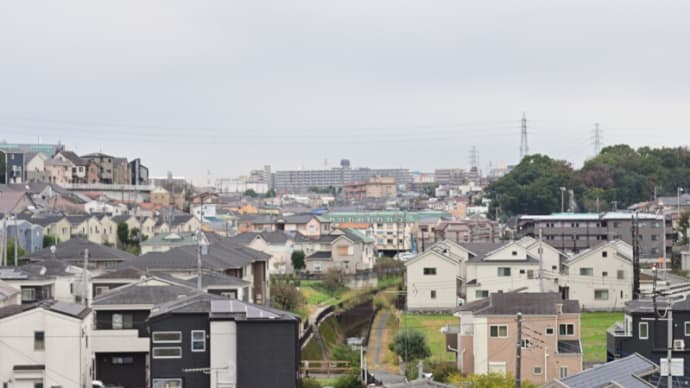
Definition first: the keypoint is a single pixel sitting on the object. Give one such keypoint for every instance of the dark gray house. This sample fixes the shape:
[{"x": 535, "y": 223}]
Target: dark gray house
[
  {"x": 120, "y": 339},
  {"x": 644, "y": 331},
  {"x": 207, "y": 341}
]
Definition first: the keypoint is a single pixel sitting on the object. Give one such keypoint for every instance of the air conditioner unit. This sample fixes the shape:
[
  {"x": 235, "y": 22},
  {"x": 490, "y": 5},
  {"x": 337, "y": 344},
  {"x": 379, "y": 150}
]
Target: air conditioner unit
[{"x": 679, "y": 344}]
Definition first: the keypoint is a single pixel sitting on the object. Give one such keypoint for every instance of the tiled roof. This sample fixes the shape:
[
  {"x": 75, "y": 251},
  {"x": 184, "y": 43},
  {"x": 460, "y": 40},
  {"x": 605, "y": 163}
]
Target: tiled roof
[
  {"x": 222, "y": 255},
  {"x": 73, "y": 249},
  {"x": 320, "y": 256},
  {"x": 70, "y": 309},
  {"x": 528, "y": 303},
  {"x": 624, "y": 372},
  {"x": 143, "y": 292},
  {"x": 276, "y": 238}
]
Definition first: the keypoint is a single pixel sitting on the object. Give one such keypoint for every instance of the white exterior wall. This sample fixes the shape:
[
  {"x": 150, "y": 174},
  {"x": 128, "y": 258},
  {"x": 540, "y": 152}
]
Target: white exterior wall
[
  {"x": 61, "y": 289},
  {"x": 582, "y": 288},
  {"x": 481, "y": 351},
  {"x": 419, "y": 286},
  {"x": 223, "y": 353},
  {"x": 66, "y": 357},
  {"x": 488, "y": 279}
]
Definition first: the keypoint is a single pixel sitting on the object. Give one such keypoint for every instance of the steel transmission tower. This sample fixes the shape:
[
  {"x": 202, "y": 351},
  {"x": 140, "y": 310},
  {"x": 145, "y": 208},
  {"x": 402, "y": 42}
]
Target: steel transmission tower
[
  {"x": 524, "y": 148},
  {"x": 597, "y": 141},
  {"x": 474, "y": 159}
]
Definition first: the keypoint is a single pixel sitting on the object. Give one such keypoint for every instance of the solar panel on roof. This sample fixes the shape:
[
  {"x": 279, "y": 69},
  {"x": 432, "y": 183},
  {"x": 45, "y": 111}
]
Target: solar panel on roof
[{"x": 12, "y": 274}]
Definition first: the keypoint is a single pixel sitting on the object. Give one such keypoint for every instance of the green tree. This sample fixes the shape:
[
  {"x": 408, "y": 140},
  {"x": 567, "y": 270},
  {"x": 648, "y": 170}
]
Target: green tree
[
  {"x": 297, "y": 259},
  {"x": 250, "y": 193},
  {"x": 347, "y": 381},
  {"x": 123, "y": 233},
  {"x": 410, "y": 345},
  {"x": 491, "y": 380},
  {"x": 270, "y": 193},
  {"x": 285, "y": 296},
  {"x": 683, "y": 226},
  {"x": 10, "y": 252},
  {"x": 533, "y": 187},
  {"x": 49, "y": 241}
]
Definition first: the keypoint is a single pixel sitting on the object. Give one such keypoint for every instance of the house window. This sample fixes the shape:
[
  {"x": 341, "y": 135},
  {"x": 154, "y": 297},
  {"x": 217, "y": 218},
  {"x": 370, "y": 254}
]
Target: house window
[
  {"x": 498, "y": 331},
  {"x": 530, "y": 274},
  {"x": 167, "y": 352},
  {"x": 644, "y": 330},
  {"x": 566, "y": 329},
  {"x": 620, "y": 274},
  {"x": 564, "y": 372},
  {"x": 101, "y": 289},
  {"x": 229, "y": 294},
  {"x": 198, "y": 341},
  {"x": 479, "y": 294},
  {"x": 503, "y": 271},
  {"x": 601, "y": 294},
  {"x": 39, "y": 340},
  {"x": 514, "y": 253},
  {"x": 687, "y": 329},
  {"x": 429, "y": 271},
  {"x": 167, "y": 383},
  {"x": 524, "y": 343},
  {"x": 604, "y": 274},
  {"x": 122, "y": 321},
  {"x": 586, "y": 272},
  {"x": 28, "y": 294},
  {"x": 549, "y": 331},
  {"x": 433, "y": 294},
  {"x": 166, "y": 337},
  {"x": 655, "y": 237},
  {"x": 123, "y": 360},
  {"x": 537, "y": 371},
  {"x": 38, "y": 385},
  {"x": 522, "y": 272}
]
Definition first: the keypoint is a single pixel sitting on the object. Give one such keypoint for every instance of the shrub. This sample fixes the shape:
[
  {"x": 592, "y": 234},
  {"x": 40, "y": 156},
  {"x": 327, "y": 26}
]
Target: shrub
[
  {"x": 410, "y": 345},
  {"x": 309, "y": 383},
  {"x": 348, "y": 381}
]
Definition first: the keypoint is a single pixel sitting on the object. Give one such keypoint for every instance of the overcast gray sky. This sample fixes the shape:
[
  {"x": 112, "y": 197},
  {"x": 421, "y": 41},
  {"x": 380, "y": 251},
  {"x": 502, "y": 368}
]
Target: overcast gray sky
[{"x": 233, "y": 85}]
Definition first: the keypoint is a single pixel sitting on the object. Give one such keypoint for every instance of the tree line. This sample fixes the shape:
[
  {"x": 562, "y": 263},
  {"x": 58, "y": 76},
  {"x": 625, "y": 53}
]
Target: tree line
[{"x": 618, "y": 177}]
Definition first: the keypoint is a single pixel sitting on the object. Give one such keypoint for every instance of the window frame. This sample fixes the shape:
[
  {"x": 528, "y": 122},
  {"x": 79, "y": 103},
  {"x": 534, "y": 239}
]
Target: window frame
[
  {"x": 566, "y": 325},
  {"x": 192, "y": 341},
  {"x": 601, "y": 290},
  {"x": 433, "y": 294},
  {"x": 41, "y": 341},
  {"x": 686, "y": 326},
  {"x": 158, "y": 383},
  {"x": 154, "y": 356},
  {"x": 546, "y": 331},
  {"x": 639, "y": 330},
  {"x": 535, "y": 368},
  {"x": 502, "y": 274},
  {"x": 498, "y": 331},
  {"x": 154, "y": 341},
  {"x": 560, "y": 372},
  {"x": 429, "y": 271}
]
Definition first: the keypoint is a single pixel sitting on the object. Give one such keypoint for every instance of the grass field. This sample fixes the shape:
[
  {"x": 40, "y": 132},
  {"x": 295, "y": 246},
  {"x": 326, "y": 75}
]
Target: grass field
[
  {"x": 593, "y": 336},
  {"x": 431, "y": 326}
]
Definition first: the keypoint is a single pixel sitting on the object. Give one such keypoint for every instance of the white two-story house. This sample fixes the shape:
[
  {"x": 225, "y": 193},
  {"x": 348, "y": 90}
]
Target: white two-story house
[
  {"x": 600, "y": 278},
  {"x": 45, "y": 344}
]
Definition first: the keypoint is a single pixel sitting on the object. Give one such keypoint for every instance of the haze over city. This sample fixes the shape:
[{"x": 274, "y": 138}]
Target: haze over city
[{"x": 234, "y": 86}]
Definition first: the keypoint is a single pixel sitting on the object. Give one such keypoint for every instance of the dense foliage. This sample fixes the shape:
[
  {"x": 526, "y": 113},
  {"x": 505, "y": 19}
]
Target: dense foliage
[
  {"x": 297, "y": 259},
  {"x": 410, "y": 345},
  {"x": 616, "y": 178}
]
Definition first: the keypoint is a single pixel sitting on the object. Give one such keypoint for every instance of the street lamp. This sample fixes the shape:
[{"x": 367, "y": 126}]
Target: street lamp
[
  {"x": 680, "y": 190},
  {"x": 562, "y": 199}
]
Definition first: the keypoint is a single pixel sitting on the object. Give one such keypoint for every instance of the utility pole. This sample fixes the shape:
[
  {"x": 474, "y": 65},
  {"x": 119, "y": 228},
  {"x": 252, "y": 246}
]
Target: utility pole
[
  {"x": 541, "y": 263},
  {"x": 669, "y": 346},
  {"x": 85, "y": 279},
  {"x": 636, "y": 256},
  {"x": 518, "y": 354},
  {"x": 16, "y": 241},
  {"x": 524, "y": 148},
  {"x": 198, "y": 250}
]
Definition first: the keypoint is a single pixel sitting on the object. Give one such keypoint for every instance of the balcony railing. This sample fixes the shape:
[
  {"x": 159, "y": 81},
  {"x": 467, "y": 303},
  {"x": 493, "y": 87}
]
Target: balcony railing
[{"x": 118, "y": 341}]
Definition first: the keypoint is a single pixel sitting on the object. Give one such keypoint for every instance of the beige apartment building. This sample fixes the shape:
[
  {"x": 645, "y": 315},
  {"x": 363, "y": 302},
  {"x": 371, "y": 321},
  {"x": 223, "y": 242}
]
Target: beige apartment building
[{"x": 486, "y": 340}]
